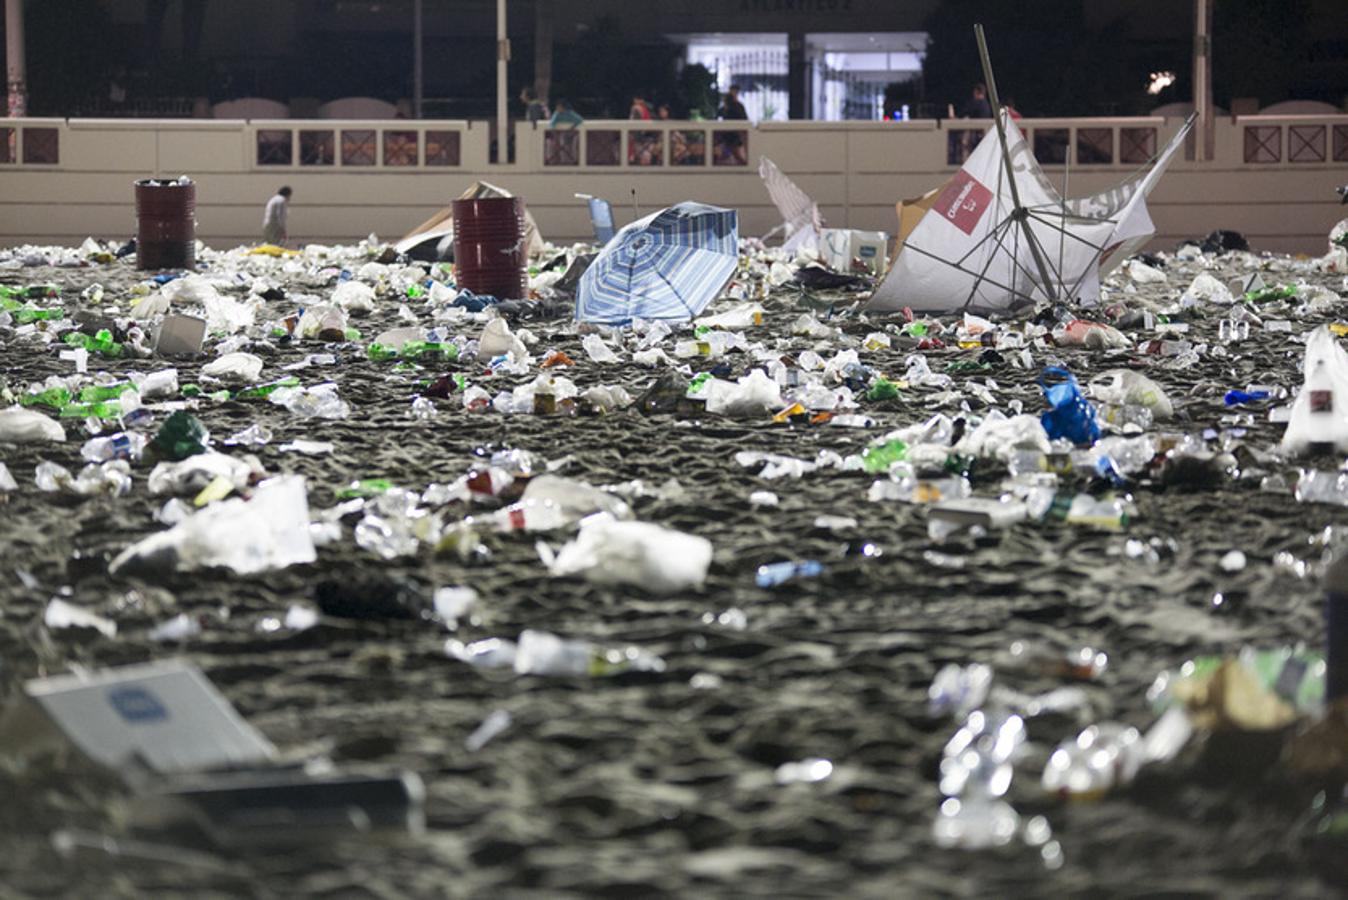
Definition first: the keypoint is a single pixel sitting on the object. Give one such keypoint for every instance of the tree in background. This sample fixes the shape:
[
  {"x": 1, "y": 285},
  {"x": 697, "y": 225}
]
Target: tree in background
[
  {"x": 697, "y": 92},
  {"x": 1260, "y": 49},
  {"x": 70, "y": 56},
  {"x": 601, "y": 71},
  {"x": 1048, "y": 61}
]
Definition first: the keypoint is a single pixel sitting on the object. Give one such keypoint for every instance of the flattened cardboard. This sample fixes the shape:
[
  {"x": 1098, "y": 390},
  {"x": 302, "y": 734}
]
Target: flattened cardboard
[{"x": 164, "y": 717}]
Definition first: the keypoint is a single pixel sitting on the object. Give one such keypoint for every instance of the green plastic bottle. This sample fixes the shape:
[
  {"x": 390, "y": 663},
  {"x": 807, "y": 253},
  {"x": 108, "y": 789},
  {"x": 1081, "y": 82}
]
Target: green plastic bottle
[
  {"x": 94, "y": 392},
  {"x": 101, "y": 342},
  {"x": 56, "y": 398},
  {"x": 101, "y": 409},
  {"x": 378, "y": 352},
  {"x": 366, "y": 487},
  {"x": 24, "y": 315},
  {"x": 879, "y": 457},
  {"x": 266, "y": 390},
  {"x": 30, "y": 292}
]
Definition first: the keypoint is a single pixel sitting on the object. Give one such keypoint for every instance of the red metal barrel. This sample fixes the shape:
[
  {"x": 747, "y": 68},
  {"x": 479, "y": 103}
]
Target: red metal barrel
[
  {"x": 491, "y": 255},
  {"x": 166, "y": 224}
]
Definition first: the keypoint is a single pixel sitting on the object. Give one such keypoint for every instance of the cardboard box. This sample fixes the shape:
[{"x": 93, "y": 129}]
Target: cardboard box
[
  {"x": 850, "y": 251},
  {"x": 179, "y": 335}
]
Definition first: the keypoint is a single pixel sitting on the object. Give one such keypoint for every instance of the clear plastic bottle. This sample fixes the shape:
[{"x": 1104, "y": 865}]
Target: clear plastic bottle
[
  {"x": 1322, "y": 487},
  {"x": 531, "y": 515},
  {"x": 122, "y": 445},
  {"x": 1121, "y": 417},
  {"x": 1108, "y": 513}
]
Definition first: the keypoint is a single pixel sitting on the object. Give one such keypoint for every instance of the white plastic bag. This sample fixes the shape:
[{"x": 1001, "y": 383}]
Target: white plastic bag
[
  {"x": 641, "y": 554},
  {"x": 27, "y": 426},
  {"x": 268, "y": 531},
  {"x": 1320, "y": 412},
  {"x": 239, "y": 367}
]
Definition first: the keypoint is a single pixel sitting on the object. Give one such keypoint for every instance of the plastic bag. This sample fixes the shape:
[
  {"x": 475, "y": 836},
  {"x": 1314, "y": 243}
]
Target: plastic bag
[
  {"x": 354, "y": 298},
  {"x": 268, "y": 531},
  {"x": 243, "y": 368},
  {"x": 1320, "y": 412},
  {"x": 640, "y": 554},
  {"x": 1071, "y": 415},
  {"x": 1124, "y": 387},
  {"x": 753, "y": 395},
  {"x": 26, "y": 426}
]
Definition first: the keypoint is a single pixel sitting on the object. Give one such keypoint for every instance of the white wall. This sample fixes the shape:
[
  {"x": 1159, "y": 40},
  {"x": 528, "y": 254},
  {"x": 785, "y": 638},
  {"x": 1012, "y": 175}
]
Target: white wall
[{"x": 855, "y": 171}]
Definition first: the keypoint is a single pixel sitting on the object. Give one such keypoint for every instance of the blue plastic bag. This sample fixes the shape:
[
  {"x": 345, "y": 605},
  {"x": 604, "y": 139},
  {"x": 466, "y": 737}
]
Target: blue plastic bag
[{"x": 1070, "y": 414}]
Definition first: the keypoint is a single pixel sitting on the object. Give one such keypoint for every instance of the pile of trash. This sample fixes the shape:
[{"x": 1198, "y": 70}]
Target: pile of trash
[{"x": 239, "y": 415}]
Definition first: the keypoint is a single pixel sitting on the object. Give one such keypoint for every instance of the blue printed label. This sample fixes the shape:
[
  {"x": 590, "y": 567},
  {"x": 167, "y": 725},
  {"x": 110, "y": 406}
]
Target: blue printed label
[{"x": 137, "y": 705}]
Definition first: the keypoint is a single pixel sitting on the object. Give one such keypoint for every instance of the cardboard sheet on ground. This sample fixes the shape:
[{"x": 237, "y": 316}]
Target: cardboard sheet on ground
[
  {"x": 165, "y": 717},
  {"x": 438, "y": 230},
  {"x": 968, "y": 251}
]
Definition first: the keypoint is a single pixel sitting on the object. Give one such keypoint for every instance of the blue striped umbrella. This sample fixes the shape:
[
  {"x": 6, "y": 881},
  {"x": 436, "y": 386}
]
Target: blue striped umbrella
[{"x": 669, "y": 265}]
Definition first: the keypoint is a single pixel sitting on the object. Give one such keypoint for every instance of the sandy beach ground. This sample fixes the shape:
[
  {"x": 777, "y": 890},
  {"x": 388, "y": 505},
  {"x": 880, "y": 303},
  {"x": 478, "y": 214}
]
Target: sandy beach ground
[{"x": 664, "y": 784}]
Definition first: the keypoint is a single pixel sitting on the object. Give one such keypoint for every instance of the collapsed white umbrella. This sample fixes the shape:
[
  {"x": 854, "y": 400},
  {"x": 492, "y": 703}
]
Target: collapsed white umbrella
[
  {"x": 998, "y": 237},
  {"x": 800, "y": 214}
]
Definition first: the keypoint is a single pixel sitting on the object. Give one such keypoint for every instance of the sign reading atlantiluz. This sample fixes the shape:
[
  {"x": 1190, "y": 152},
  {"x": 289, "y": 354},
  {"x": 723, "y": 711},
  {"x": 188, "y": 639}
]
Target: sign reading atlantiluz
[{"x": 807, "y": 6}]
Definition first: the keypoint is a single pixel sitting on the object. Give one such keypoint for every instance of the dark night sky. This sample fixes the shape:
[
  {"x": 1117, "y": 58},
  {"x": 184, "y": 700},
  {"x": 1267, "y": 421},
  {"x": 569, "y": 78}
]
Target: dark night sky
[{"x": 1056, "y": 56}]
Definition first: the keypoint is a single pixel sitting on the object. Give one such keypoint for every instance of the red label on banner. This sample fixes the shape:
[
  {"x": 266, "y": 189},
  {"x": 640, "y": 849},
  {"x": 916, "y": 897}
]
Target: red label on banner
[{"x": 963, "y": 202}]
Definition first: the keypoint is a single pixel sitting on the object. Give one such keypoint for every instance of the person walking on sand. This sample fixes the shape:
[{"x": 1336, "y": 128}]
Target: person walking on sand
[{"x": 274, "y": 219}]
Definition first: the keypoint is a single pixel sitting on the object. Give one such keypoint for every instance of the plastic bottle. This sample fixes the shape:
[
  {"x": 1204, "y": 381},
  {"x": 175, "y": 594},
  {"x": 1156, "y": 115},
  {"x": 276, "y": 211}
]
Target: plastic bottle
[
  {"x": 920, "y": 490},
  {"x": 1107, "y": 513},
  {"x": 95, "y": 392},
  {"x": 774, "y": 574},
  {"x": 266, "y": 390},
  {"x": 30, "y": 292},
  {"x": 1236, "y": 397},
  {"x": 1024, "y": 461},
  {"x": 122, "y": 445},
  {"x": 1122, "y": 416},
  {"x": 878, "y": 458},
  {"x": 102, "y": 342},
  {"x": 531, "y": 515},
  {"x": 104, "y": 409},
  {"x": 55, "y": 398},
  {"x": 1322, "y": 487}
]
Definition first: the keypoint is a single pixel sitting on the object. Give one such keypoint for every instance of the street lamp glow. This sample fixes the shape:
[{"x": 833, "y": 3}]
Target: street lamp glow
[{"x": 1159, "y": 81}]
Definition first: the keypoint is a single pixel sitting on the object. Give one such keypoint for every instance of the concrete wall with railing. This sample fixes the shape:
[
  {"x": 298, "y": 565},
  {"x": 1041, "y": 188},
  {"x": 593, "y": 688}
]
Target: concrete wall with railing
[{"x": 1272, "y": 177}]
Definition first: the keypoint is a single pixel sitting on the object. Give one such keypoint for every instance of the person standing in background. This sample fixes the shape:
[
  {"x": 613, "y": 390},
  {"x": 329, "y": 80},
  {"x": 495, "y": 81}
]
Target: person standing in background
[
  {"x": 640, "y": 109},
  {"x": 565, "y": 115},
  {"x": 977, "y": 106},
  {"x": 274, "y": 219},
  {"x": 731, "y": 107},
  {"x": 535, "y": 110}
]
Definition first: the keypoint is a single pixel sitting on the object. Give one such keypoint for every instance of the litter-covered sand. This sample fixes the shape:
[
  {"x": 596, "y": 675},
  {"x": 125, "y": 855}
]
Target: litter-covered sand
[{"x": 753, "y": 741}]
